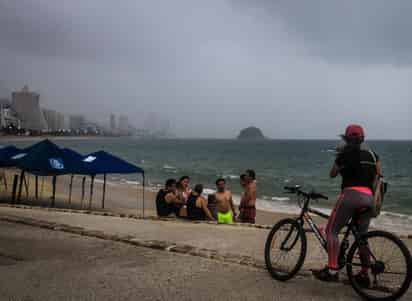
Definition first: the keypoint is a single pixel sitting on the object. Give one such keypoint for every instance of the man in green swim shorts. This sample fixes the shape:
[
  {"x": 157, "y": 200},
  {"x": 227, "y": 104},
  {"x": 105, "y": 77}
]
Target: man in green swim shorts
[{"x": 224, "y": 203}]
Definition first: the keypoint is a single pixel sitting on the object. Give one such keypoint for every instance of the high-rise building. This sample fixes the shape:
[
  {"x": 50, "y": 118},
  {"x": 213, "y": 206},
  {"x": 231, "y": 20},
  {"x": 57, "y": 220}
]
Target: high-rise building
[
  {"x": 26, "y": 105},
  {"x": 54, "y": 119},
  {"x": 7, "y": 115},
  {"x": 77, "y": 122},
  {"x": 60, "y": 122},
  {"x": 123, "y": 124},
  {"x": 51, "y": 119},
  {"x": 112, "y": 122}
]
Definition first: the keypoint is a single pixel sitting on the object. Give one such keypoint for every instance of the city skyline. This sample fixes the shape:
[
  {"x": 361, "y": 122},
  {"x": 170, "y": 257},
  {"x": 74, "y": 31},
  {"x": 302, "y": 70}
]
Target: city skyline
[{"x": 24, "y": 110}]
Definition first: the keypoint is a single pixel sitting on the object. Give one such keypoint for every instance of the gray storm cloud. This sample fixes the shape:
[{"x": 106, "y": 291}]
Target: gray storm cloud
[
  {"x": 212, "y": 67},
  {"x": 375, "y": 32}
]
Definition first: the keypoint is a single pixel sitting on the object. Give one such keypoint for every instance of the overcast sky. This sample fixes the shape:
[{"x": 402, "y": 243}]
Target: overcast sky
[{"x": 296, "y": 69}]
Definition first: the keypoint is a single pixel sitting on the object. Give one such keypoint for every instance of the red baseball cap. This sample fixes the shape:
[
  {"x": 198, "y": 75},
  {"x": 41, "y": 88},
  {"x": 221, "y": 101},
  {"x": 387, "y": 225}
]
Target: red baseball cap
[{"x": 354, "y": 130}]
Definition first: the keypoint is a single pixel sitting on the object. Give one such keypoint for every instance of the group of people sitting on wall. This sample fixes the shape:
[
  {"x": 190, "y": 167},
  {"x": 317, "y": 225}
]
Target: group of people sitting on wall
[{"x": 177, "y": 198}]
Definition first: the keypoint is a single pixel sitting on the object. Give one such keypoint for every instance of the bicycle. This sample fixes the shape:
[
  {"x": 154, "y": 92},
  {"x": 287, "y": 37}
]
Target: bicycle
[{"x": 369, "y": 246}]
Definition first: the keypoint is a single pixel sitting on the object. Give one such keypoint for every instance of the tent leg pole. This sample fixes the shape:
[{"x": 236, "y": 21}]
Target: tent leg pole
[
  {"x": 4, "y": 178},
  {"x": 70, "y": 190},
  {"x": 91, "y": 192},
  {"x": 36, "y": 192},
  {"x": 143, "y": 195},
  {"x": 26, "y": 186},
  {"x": 14, "y": 191},
  {"x": 42, "y": 187},
  {"x": 54, "y": 191},
  {"x": 104, "y": 190},
  {"x": 20, "y": 186},
  {"x": 82, "y": 199}
]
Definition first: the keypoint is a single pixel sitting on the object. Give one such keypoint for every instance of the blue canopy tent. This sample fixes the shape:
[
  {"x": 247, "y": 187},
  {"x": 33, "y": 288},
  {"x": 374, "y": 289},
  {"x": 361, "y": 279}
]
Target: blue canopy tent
[
  {"x": 104, "y": 163},
  {"x": 5, "y": 159},
  {"x": 45, "y": 159},
  {"x": 79, "y": 166},
  {"x": 6, "y": 153}
]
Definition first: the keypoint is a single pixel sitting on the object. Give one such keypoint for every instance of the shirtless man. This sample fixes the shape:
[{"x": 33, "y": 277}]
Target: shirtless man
[
  {"x": 224, "y": 203},
  {"x": 248, "y": 201}
]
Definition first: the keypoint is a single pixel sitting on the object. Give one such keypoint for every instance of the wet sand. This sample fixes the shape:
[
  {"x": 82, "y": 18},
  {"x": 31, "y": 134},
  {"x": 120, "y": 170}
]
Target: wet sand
[{"x": 120, "y": 197}]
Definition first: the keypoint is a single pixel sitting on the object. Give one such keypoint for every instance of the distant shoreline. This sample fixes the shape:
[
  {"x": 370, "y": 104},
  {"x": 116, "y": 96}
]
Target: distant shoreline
[
  {"x": 267, "y": 139},
  {"x": 39, "y": 138}
]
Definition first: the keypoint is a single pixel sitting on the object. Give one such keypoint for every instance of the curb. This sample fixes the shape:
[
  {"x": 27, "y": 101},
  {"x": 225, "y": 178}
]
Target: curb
[
  {"x": 133, "y": 216},
  {"x": 151, "y": 244},
  {"x": 154, "y": 218}
]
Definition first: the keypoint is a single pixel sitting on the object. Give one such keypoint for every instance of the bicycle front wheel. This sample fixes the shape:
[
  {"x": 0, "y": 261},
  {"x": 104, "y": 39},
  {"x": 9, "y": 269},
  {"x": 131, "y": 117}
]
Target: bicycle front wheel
[
  {"x": 386, "y": 261},
  {"x": 285, "y": 249}
]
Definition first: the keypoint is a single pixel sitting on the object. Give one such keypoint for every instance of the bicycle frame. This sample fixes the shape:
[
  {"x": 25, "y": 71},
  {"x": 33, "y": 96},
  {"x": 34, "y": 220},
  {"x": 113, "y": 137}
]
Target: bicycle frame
[
  {"x": 350, "y": 228},
  {"x": 305, "y": 216}
]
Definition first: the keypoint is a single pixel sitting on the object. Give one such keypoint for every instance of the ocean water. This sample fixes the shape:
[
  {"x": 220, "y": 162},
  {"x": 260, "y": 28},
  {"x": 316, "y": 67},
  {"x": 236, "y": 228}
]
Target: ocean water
[{"x": 276, "y": 162}]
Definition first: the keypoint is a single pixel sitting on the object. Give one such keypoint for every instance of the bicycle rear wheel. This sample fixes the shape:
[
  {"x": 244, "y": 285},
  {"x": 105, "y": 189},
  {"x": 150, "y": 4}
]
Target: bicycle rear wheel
[
  {"x": 285, "y": 249},
  {"x": 386, "y": 260}
]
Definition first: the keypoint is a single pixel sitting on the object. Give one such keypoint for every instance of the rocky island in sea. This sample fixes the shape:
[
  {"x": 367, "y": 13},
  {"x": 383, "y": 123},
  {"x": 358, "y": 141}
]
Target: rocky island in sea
[{"x": 251, "y": 133}]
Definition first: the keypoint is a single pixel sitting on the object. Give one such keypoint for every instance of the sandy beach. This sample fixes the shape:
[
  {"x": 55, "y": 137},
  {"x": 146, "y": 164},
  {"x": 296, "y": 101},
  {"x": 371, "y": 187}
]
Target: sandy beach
[
  {"x": 126, "y": 197},
  {"x": 121, "y": 197}
]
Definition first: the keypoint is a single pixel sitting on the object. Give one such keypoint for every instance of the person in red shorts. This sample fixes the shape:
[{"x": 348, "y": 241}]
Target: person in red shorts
[{"x": 247, "y": 208}]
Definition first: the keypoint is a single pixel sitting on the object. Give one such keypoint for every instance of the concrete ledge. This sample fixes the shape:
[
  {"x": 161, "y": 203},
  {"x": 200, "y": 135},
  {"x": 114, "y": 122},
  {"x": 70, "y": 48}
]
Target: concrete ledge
[
  {"x": 132, "y": 216},
  {"x": 152, "y": 244},
  {"x": 154, "y": 218}
]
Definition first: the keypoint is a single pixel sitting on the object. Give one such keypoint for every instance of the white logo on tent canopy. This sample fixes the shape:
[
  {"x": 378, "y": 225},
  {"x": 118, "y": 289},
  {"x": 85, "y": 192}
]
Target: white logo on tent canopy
[
  {"x": 56, "y": 163},
  {"x": 89, "y": 159},
  {"x": 18, "y": 156}
]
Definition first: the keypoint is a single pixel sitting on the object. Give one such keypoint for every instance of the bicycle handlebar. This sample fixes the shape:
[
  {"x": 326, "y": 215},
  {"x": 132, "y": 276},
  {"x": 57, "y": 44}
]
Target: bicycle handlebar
[{"x": 310, "y": 195}]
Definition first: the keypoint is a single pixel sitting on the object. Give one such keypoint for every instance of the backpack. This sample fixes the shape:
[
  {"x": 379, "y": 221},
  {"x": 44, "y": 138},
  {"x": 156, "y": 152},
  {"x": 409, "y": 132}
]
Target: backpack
[{"x": 380, "y": 187}]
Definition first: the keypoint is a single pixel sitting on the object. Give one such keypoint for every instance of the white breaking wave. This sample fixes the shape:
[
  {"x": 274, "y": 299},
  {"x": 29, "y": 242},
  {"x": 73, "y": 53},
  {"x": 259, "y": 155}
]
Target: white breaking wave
[
  {"x": 133, "y": 182},
  {"x": 232, "y": 177},
  {"x": 108, "y": 183},
  {"x": 281, "y": 199},
  {"x": 168, "y": 167},
  {"x": 207, "y": 191}
]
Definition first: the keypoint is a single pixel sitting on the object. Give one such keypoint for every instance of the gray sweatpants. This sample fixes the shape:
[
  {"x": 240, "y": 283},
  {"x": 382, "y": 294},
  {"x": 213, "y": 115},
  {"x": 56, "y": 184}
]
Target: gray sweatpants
[{"x": 348, "y": 204}]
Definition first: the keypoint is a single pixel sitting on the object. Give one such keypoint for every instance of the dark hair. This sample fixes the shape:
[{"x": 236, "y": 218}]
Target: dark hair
[
  {"x": 179, "y": 185},
  {"x": 220, "y": 180},
  {"x": 251, "y": 173},
  {"x": 243, "y": 177},
  {"x": 198, "y": 189},
  {"x": 184, "y": 178},
  {"x": 170, "y": 182},
  {"x": 353, "y": 140}
]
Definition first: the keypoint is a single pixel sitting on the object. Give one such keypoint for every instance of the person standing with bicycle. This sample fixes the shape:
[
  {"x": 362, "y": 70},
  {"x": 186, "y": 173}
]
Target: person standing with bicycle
[{"x": 358, "y": 167}]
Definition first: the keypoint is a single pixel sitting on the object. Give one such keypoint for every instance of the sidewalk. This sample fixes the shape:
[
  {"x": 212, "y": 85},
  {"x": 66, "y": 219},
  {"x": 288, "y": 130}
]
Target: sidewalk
[
  {"x": 44, "y": 265},
  {"x": 224, "y": 241}
]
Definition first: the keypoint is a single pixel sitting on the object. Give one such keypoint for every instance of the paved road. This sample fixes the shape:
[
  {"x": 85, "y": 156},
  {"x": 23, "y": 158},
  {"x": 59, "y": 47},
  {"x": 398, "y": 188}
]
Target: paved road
[
  {"x": 225, "y": 239},
  {"x": 38, "y": 264}
]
